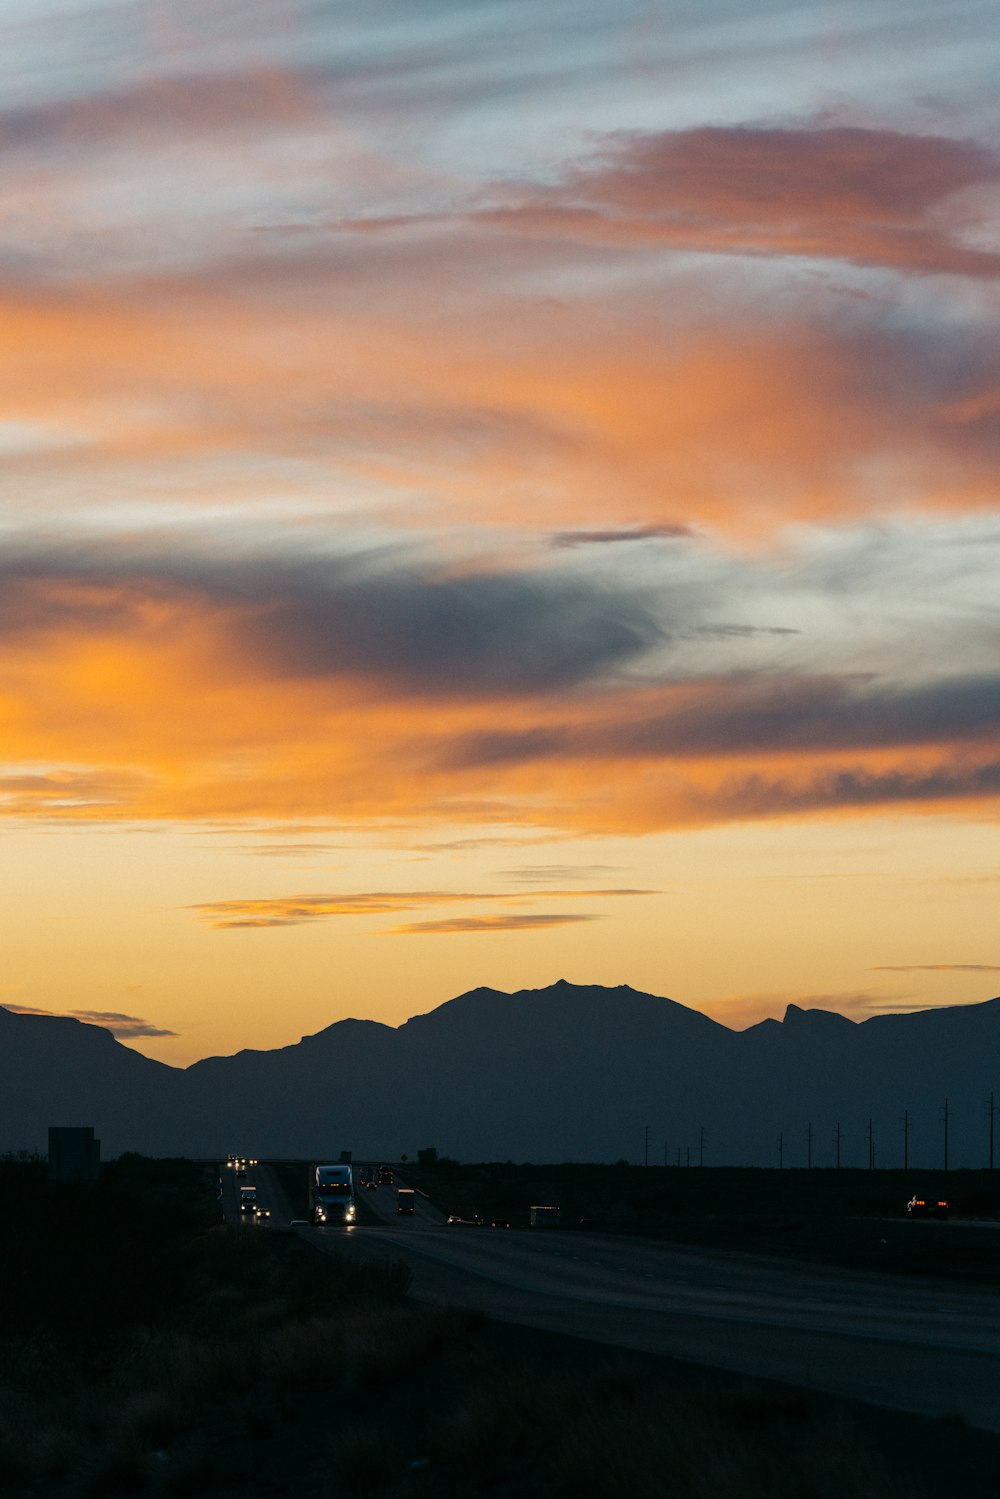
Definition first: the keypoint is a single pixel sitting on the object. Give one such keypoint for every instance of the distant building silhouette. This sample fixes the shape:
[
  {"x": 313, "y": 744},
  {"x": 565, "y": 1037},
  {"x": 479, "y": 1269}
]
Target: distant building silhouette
[{"x": 74, "y": 1154}]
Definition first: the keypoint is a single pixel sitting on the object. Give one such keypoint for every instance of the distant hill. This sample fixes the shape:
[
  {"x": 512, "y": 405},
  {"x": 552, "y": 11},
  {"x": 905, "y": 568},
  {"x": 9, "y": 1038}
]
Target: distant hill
[{"x": 568, "y": 1072}]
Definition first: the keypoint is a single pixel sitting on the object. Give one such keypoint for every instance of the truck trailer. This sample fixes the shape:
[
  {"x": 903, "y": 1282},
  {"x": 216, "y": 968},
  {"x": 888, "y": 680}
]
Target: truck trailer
[{"x": 331, "y": 1194}]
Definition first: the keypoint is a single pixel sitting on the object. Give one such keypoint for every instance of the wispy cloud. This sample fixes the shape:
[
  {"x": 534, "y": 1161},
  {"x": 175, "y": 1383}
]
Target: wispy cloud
[
  {"x": 545, "y": 874},
  {"x": 291, "y": 850},
  {"x": 623, "y": 535},
  {"x": 762, "y": 713},
  {"x": 123, "y": 1027},
  {"x": 936, "y": 968},
  {"x": 294, "y": 909},
  {"x": 508, "y": 922},
  {"x": 873, "y": 197}
]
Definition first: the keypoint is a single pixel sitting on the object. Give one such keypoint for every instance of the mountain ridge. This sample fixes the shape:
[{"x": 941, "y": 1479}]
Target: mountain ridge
[{"x": 563, "y": 1072}]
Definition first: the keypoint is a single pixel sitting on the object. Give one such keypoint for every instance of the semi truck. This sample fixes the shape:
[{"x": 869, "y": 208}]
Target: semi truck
[{"x": 331, "y": 1194}]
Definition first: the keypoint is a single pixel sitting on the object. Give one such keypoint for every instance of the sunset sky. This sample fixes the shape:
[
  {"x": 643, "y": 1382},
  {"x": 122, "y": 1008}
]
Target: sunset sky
[{"x": 493, "y": 492}]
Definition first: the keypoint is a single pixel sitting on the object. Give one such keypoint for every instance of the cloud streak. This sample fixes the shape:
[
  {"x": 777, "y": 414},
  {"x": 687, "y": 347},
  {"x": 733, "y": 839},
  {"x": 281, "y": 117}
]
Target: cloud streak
[
  {"x": 122, "y": 1027},
  {"x": 292, "y": 910},
  {"x": 460, "y": 926},
  {"x": 481, "y": 633},
  {"x": 936, "y": 968},
  {"x": 872, "y": 197}
]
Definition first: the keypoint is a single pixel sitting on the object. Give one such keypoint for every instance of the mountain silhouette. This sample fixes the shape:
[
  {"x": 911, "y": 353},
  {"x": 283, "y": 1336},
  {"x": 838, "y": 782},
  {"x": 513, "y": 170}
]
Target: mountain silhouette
[{"x": 567, "y": 1072}]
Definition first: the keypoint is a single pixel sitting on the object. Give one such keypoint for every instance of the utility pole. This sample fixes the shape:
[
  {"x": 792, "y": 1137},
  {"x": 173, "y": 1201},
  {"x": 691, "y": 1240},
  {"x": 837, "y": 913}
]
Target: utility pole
[
  {"x": 664, "y": 1155},
  {"x": 645, "y": 1156},
  {"x": 906, "y": 1139},
  {"x": 871, "y": 1146},
  {"x": 781, "y": 1150},
  {"x": 944, "y": 1120},
  {"x": 701, "y": 1146},
  {"x": 809, "y": 1145},
  {"x": 991, "y": 1110},
  {"x": 837, "y": 1137},
  {"x": 688, "y": 1160}
]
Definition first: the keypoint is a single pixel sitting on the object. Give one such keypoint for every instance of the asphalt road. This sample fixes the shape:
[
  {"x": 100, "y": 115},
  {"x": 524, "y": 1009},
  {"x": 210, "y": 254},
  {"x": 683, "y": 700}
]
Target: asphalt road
[{"x": 914, "y": 1345}]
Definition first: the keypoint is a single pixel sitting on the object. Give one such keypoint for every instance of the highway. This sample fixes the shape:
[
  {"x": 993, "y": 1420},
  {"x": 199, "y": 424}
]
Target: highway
[{"x": 920, "y": 1346}]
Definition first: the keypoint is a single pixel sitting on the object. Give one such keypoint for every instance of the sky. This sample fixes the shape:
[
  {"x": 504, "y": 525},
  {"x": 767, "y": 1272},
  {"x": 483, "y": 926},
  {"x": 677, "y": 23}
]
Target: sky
[{"x": 496, "y": 492}]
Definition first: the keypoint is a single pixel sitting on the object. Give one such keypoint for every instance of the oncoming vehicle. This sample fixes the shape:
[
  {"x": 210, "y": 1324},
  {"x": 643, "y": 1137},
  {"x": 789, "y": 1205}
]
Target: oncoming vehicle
[
  {"x": 331, "y": 1194},
  {"x": 404, "y": 1200},
  {"x": 924, "y": 1205},
  {"x": 248, "y": 1200}
]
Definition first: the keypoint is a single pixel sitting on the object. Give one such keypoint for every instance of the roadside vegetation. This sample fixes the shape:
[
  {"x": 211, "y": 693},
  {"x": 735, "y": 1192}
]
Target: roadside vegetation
[{"x": 146, "y": 1348}]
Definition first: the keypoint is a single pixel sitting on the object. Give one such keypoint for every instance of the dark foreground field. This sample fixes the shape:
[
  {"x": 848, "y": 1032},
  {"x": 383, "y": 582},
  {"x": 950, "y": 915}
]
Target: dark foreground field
[{"x": 147, "y": 1349}]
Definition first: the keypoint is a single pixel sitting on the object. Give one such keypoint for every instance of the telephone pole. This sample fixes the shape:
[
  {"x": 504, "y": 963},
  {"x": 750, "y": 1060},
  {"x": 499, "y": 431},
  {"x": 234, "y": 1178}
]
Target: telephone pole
[
  {"x": 809, "y": 1145},
  {"x": 906, "y": 1139},
  {"x": 837, "y": 1137},
  {"x": 991, "y": 1110},
  {"x": 871, "y": 1146},
  {"x": 701, "y": 1146},
  {"x": 944, "y": 1120},
  {"x": 781, "y": 1150},
  {"x": 645, "y": 1155}
]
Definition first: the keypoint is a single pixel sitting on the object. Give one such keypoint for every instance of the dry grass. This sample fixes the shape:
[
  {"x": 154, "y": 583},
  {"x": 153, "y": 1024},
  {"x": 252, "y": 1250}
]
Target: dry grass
[
  {"x": 231, "y": 1363},
  {"x": 186, "y": 1325},
  {"x": 624, "y": 1435}
]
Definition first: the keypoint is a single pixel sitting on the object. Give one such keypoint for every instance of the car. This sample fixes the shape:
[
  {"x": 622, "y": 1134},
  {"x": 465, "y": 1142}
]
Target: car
[
  {"x": 371, "y": 1186},
  {"x": 927, "y": 1205},
  {"x": 499, "y": 1223},
  {"x": 455, "y": 1221}
]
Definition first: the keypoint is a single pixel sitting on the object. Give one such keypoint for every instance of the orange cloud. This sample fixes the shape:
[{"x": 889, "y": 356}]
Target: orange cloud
[
  {"x": 177, "y": 686},
  {"x": 670, "y": 401}
]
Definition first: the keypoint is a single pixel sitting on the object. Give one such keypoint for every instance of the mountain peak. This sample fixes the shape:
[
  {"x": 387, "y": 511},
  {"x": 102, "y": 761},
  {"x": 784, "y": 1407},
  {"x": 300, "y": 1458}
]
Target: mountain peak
[{"x": 795, "y": 1015}]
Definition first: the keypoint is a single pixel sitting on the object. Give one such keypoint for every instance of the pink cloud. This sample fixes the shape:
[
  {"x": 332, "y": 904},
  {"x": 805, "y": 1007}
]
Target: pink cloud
[{"x": 872, "y": 197}]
